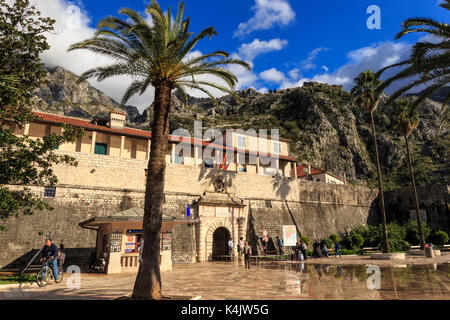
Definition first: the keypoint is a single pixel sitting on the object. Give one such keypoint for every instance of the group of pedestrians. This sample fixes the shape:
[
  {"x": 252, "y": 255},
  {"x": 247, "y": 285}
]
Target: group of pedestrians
[
  {"x": 300, "y": 251},
  {"x": 243, "y": 249}
]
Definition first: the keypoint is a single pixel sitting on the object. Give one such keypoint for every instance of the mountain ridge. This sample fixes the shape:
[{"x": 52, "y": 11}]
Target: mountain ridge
[{"x": 326, "y": 128}]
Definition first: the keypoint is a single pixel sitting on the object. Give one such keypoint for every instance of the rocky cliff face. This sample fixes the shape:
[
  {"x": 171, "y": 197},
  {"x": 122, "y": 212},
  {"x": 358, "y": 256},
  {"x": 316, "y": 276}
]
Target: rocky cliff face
[
  {"x": 63, "y": 95},
  {"x": 325, "y": 126}
]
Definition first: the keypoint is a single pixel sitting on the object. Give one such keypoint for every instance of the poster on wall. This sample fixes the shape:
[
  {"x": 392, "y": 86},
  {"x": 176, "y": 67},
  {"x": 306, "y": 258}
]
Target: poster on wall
[
  {"x": 130, "y": 245},
  {"x": 116, "y": 242},
  {"x": 289, "y": 236},
  {"x": 166, "y": 241}
]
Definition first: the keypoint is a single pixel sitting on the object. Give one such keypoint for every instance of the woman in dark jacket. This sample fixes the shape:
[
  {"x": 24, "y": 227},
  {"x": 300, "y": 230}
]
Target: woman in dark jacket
[{"x": 247, "y": 254}]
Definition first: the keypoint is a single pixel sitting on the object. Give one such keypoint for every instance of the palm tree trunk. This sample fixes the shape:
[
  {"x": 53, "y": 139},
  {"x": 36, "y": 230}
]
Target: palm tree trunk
[
  {"x": 419, "y": 218},
  {"x": 148, "y": 280},
  {"x": 380, "y": 188}
]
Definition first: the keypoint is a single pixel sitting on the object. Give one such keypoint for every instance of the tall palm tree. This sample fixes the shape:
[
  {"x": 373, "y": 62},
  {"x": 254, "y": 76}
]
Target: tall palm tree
[
  {"x": 429, "y": 61},
  {"x": 407, "y": 119},
  {"x": 367, "y": 95},
  {"x": 157, "y": 55}
]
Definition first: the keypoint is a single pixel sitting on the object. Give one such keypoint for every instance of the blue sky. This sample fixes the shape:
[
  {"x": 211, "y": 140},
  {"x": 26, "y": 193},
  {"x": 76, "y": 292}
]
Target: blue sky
[{"x": 287, "y": 41}]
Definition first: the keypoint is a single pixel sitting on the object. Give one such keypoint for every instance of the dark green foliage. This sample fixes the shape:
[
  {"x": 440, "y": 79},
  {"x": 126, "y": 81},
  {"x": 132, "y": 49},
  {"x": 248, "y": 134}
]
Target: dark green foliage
[
  {"x": 357, "y": 241},
  {"x": 334, "y": 238},
  {"x": 440, "y": 238},
  {"x": 24, "y": 161},
  {"x": 306, "y": 239},
  {"x": 412, "y": 231},
  {"x": 371, "y": 236},
  {"x": 328, "y": 242},
  {"x": 19, "y": 58}
]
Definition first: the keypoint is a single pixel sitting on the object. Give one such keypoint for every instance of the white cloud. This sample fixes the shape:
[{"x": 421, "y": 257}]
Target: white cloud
[
  {"x": 249, "y": 51},
  {"x": 272, "y": 75},
  {"x": 308, "y": 63},
  {"x": 294, "y": 73},
  {"x": 374, "y": 57},
  {"x": 267, "y": 13}
]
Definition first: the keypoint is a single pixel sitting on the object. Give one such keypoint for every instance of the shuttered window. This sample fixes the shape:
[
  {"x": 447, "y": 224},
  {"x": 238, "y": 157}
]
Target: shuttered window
[{"x": 101, "y": 148}]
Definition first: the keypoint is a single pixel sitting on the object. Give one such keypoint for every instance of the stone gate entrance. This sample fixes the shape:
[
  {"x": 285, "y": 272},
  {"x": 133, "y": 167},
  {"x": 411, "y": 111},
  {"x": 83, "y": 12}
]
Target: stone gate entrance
[{"x": 221, "y": 216}]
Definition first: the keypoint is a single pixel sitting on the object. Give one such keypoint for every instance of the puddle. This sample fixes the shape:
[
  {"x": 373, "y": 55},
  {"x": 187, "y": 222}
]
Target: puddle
[{"x": 333, "y": 281}]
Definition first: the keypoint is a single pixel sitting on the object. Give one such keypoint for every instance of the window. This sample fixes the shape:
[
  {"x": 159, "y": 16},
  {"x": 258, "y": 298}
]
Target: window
[
  {"x": 133, "y": 242},
  {"x": 209, "y": 163},
  {"x": 276, "y": 147},
  {"x": 241, "y": 142},
  {"x": 101, "y": 148},
  {"x": 268, "y": 204},
  {"x": 242, "y": 169},
  {"x": 49, "y": 192}
]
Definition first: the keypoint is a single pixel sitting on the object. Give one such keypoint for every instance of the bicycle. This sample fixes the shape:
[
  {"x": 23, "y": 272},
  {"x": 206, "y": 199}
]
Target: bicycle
[{"x": 46, "y": 273}]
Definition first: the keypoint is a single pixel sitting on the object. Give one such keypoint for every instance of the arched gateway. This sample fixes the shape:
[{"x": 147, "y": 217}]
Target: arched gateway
[{"x": 221, "y": 217}]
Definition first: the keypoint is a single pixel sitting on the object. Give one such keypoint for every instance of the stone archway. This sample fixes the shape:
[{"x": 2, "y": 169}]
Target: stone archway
[
  {"x": 223, "y": 225},
  {"x": 220, "y": 243}
]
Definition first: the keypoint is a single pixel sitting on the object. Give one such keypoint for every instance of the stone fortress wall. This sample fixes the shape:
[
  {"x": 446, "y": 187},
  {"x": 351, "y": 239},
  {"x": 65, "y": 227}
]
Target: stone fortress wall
[{"x": 103, "y": 185}]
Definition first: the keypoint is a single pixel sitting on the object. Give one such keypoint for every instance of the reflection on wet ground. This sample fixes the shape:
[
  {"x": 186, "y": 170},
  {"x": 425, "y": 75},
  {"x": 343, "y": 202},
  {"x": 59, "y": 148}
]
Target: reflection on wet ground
[
  {"x": 266, "y": 281},
  {"x": 403, "y": 282}
]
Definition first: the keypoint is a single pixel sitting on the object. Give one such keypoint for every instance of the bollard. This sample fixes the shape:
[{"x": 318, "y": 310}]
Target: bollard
[{"x": 429, "y": 252}]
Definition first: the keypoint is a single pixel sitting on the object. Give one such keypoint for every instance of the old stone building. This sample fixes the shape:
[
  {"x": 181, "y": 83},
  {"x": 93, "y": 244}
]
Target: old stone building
[{"x": 224, "y": 199}]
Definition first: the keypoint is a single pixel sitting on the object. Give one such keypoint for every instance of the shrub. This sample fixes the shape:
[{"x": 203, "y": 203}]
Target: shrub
[
  {"x": 440, "y": 238},
  {"x": 356, "y": 240},
  {"x": 412, "y": 231},
  {"x": 334, "y": 238},
  {"x": 328, "y": 242},
  {"x": 306, "y": 239}
]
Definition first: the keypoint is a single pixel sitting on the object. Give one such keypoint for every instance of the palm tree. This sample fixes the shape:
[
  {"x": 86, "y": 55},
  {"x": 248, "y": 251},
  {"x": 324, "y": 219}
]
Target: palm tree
[
  {"x": 367, "y": 94},
  {"x": 157, "y": 55},
  {"x": 407, "y": 119},
  {"x": 429, "y": 61}
]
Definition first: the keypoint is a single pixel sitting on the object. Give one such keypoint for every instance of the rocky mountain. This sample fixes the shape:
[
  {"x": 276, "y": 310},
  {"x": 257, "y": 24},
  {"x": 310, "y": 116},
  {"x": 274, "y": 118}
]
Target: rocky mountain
[
  {"x": 326, "y": 128},
  {"x": 63, "y": 95}
]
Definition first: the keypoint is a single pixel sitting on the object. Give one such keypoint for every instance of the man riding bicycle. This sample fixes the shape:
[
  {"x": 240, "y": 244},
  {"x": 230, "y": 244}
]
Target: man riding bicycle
[{"x": 50, "y": 252}]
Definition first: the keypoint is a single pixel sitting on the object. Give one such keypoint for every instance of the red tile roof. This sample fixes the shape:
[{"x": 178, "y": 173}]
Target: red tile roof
[
  {"x": 57, "y": 119},
  {"x": 301, "y": 172}
]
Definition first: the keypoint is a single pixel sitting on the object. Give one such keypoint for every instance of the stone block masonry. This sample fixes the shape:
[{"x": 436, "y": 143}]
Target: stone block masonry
[{"x": 104, "y": 185}]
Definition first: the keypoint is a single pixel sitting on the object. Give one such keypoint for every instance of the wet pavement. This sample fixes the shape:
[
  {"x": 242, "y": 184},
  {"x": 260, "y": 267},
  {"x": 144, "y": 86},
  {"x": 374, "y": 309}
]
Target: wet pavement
[{"x": 267, "y": 281}]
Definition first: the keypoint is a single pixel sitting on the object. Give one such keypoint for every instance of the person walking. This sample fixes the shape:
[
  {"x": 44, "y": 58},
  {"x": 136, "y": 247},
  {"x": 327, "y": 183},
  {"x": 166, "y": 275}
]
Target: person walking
[
  {"x": 303, "y": 249},
  {"x": 337, "y": 249},
  {"x": 280, "y": 245},
  {"x": 299, "y": 252},
  {"x": 240, "y": 247},
  {"x": 247, "y": 253},
  {"x": 230, "y": 247},
  {"x": 325, "y": 249}
]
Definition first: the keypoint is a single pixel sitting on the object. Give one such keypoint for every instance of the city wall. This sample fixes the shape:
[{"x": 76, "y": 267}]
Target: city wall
[{"x": 104, "y": 185}]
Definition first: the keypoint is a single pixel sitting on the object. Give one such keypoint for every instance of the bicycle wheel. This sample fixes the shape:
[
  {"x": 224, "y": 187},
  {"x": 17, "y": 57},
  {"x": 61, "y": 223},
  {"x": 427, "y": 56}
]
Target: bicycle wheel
[
  {"x": 42, "y": 277},
  {"x": 60, "y": 275}
]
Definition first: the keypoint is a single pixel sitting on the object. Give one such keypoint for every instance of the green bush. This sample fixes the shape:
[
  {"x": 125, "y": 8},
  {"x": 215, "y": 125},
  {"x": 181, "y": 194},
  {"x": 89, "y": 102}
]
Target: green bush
[
  {"x": 328, "y": 242},
  {"x": 357, "y": 241},
  {"x": 412, "y": 231},
  {"x": 306, "y": 239},
  {"x": 440, "y": 238},
  {"x": 334, "y": 238}
]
